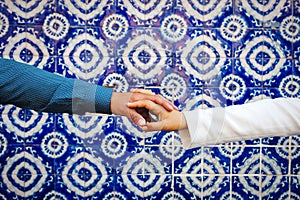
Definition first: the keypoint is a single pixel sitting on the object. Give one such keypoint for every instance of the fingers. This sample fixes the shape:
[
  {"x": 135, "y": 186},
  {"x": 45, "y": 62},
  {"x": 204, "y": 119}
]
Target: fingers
[
  {"x": 153, "y": 126},
  {"x": 144, "y": 113},
  {"x": 147, "y": 104},
  {"x": 149, "y": 95},
  {"x": 142, "y": 91},
  {"x": 163, "y": 102},
  {"x": 136, "y": 118},
  {"x": 141, "y": 104}
]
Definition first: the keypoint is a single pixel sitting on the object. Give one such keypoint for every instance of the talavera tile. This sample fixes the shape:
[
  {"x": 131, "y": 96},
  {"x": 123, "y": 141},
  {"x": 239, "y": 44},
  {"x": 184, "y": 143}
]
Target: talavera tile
[
  {"x": 246, "y": 187},
  {"x": 274, "y": 186},
  {"x": 196, "y": 54},
  {"x": 188, "y": 186},
  {"x": 274, "y": 160},
  {"x": 295, "y": 182},
  {"x": 295, "y": 153},
  {"x": 215, "y": 187},
  {"x": 247, "y": 161}
]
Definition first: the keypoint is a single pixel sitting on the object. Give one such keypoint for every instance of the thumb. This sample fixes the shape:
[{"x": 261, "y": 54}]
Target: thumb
[{"x": 136, "y": 118}]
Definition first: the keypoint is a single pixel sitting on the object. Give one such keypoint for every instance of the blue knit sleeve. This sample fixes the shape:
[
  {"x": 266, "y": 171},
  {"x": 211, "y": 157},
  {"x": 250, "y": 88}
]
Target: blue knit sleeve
[{"x": 28, "y": 87}]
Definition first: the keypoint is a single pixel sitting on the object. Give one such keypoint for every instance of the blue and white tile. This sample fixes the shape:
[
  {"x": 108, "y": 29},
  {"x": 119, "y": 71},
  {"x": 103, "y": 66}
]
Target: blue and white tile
[
  {"x": 31, "y": 13},
  {"x": 250, "y": 70},
  {"x": 25, "y": 173},
  {"x": 122, "y": 191},
  {"x": 96, "y": 11},
  {"x": 283, "y": 40},
  {"x": 170, "y": 145},
  {"x": 163, "y": 157},
  {"x": 64, "y": 36},
  {"x": 85, "y": 56},
  {"x": 174, "y": 30},
  {"x": 14, "y": 43},
  {"x": 174, "y": 87},
  {"x": 143, "y": 186},
  {"x": 68, "y": 187},
  {"x": 221, "y": 96},
  {"x": 248, "y": 95},
  {"x": 38, "y": 154},
  {"x": 72, "y": 127},
  {"x": 215, "y": 71},
  {"x": 251, "y": 44},
  {"x": 216, "y": 160},
  {"x": 133, "y": 133},
  {"x": 246, "y": 187},
  {"x": 275, "y": 12},
  {"x": 203, "y": 14},
  {"x": 74, "y": 11},
  {"x": 55, "y": 27},
  {"x": 296, "y": 69},
  {"x": 190, "y": 163},
  {"x": 274, "y": 161},
  {"x": 37, "y": 126},
  {"x": 233, "y": 30},
  {"x": 12, "y": 121},
  {"x": 7, "y": 16},
  {"x": 162, "y": 75},
  {"x": 145, "y": 14},
  {"x": 250, "y": 11},
  {"x": 132, "y": 161},
  {"x": 67, "y": 153},
  {"x": 215, "y": 187},
  {"x": 278, "y": 72},
  {"x": 277, "y": 141},
  {"x": 289, "y": 86},
  {"x": 11, "y": 186},
  {"x": 247, "y": 161},
  {"x": 295, "y": 140},
  {"x": 251, "y": 94},
  {"x": 273, "y": 93},
  {"x": 83, "y": 175},
  {"x": 295, "y": 184},
  {"x": 187, "y": 187},
  {"x": 274, "y": 186},
  {"x": 157, "y": 189},
  {"x": 233, "y": 87},
  {"x": 295, "y": 160},
  {"x": 193, "y": 99}
]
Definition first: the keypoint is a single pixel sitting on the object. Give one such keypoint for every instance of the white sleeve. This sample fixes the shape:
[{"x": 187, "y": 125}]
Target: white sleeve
[{"x": 265, "y": 118}]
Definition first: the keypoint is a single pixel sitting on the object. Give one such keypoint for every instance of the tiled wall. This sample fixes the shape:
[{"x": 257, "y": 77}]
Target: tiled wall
[{"x": 197, "y": 53}]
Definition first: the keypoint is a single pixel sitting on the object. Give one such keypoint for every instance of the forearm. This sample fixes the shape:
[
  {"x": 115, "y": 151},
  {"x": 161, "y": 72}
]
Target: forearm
[
  {"x": 277, "y": 117},
  {"x": 32, "y": 88}
]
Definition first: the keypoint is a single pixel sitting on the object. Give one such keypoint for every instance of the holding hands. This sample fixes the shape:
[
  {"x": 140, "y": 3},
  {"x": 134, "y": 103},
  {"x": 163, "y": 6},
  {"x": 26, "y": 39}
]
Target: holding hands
[
  {"x": 166, "y": 120},
  {"x": 141, "y": 104}
]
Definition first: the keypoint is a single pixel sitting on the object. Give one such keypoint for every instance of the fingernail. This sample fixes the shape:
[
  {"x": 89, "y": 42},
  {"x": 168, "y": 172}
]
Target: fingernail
[{"x": 141, "y": 122}]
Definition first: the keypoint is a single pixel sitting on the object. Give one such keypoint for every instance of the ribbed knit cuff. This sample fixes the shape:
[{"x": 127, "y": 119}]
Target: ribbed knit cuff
[{"x": 102, "y": 99}]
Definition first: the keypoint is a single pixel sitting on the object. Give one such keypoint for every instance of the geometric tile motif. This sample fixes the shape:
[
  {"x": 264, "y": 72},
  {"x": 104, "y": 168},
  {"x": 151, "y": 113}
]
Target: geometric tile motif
[
  {"x": 195, "y": 53},
  {"x": 93, "y": 178},
  {"x": 24, "y": 174}
]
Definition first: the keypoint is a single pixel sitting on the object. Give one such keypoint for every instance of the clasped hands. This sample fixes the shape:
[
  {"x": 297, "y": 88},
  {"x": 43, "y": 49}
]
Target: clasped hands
[{"x": 139, "y": 105}]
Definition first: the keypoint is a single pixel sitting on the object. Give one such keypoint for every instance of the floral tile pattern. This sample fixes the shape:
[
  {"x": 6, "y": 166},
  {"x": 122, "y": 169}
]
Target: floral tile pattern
[{"x": 198, "y": 54}]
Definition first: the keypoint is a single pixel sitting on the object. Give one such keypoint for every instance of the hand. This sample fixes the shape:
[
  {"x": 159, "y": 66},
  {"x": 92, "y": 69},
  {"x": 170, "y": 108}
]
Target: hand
[
  {"x": 167, "y": 120},
  {"x": 139, "y": 116}
]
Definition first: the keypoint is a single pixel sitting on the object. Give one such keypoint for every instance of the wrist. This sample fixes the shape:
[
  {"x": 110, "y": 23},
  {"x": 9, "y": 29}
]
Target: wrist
[
  {"x": 182, "y": 121},
  {"x": 118, "y": 103},
  {"x": 175, "y": 121}
]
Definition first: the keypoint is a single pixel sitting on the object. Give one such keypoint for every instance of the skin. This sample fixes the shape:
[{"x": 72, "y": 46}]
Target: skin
[
  {"x": 167, "y": 120},
  {"x": 139, "y": 115}
]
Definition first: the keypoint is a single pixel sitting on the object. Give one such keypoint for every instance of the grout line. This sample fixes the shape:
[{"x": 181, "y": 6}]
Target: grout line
[{"x": 260, "y": 168}]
